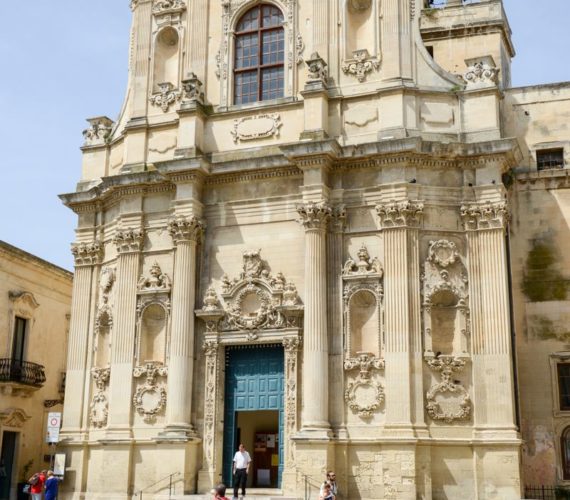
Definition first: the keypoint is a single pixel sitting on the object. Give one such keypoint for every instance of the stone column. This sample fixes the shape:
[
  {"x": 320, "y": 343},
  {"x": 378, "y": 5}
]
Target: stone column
[
  {"x": 335, "y": 311},
  {"x": 315, "y": 414},
  {"x": 494, "y": 411},
  {"x": 87, "y": 255},
  {"x": 186, "y": 233},
  {"x": 399, "y": 223},
  {"x": 129, "y": 244}
]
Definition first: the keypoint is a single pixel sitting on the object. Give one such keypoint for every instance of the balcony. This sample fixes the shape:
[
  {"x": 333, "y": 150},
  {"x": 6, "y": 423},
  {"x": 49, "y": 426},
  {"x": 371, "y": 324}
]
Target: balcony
[{"x": 20, "y": 378}]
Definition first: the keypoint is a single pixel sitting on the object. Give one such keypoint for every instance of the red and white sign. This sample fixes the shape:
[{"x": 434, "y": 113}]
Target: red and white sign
[{"x": 53, "y": 426}]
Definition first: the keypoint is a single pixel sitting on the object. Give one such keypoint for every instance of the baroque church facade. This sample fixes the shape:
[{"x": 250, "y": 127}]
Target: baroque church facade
[{"x": 325, "y": 229}]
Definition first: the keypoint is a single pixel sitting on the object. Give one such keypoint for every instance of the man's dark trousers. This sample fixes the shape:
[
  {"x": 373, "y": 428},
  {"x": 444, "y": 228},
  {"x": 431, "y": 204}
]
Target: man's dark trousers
[{"x": 240, "y": 479}]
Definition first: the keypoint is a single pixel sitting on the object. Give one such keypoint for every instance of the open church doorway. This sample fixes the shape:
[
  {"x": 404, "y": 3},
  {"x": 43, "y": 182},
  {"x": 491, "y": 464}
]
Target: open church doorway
[{"x": 253, "y": 412}]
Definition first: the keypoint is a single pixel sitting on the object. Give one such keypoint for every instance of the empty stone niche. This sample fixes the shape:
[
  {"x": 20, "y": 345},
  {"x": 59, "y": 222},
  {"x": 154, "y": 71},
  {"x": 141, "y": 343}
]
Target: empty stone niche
[
  {"x": 360, "y": 26},
  {"x": 166, "y": 57},
  {"x": 364, "y": 323},
  {"x": 153, "y": 334}
]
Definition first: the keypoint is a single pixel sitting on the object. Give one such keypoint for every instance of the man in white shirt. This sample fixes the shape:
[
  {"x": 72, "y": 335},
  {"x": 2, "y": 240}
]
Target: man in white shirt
[{"x": 240, "y": 468}]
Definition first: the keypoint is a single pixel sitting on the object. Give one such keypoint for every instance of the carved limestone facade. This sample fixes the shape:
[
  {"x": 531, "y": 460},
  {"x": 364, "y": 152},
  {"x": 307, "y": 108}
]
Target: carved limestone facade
[{"x": 315, "y": 244}]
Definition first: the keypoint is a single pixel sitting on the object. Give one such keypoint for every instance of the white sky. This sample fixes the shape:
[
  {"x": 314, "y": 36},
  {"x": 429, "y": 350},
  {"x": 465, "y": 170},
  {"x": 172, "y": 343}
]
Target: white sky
[{"x": 65, "y": 61}]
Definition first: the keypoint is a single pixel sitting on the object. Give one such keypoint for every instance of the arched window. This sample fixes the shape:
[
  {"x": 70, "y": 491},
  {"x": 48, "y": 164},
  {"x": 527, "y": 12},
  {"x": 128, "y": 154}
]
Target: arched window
[
  {"x": 259, "y": 65},
  {"x": 565, "y": 448}
]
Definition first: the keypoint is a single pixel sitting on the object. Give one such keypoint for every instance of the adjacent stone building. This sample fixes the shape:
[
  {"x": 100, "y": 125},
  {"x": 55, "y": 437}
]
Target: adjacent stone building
[
  {"x": 326, "y": 229},
  {"x": 35, "y": 303}
]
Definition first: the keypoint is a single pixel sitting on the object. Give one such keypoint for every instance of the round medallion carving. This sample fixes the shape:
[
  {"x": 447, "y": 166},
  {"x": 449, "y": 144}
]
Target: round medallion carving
[{"x": 364, "y": 397}]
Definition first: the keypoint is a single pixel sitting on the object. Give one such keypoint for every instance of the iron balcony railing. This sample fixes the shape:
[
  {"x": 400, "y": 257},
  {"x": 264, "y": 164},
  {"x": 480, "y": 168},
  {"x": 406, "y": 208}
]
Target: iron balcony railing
[{"x": 22, "y": 372}]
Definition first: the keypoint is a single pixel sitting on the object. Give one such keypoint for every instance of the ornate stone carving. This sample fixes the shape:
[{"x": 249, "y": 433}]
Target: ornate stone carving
[
  {"x": 157, "y": 281},
  {"x": 251, "y": 128},
  {"x": 481, "y": 216},
  {"x": 150, "y": 399},
  {"x": 99, "y": 408},
  {"x": 210, "y": 348},
  {"x": 318, "y": 72},
  {"x": 360, "y": 5},
  {"x": 314, "y": 215},
  {"x": 106, "y": 282},
  {"x": 104, "y": 314},
  {"x": 364, "y": 397},
  {"x": 291, "y": 346},
  {"x": 129, "y": 240},
  {"x": 365, "y": 264},
  {"x": 400, "y": 213},
  {"x": 481, "y": 74},
  {"x": 99, "y": 129},
  {"x": 183, "y": 228},
  {"x": 300, "y": 48},
  {"x": 168, "y": 6},
  {"x": 87, "y": 254},
  {"x": 193, "y": 89},
  {"x": 444, "y": 409},
  {"x": 166, "y": 97},
  {"x": 14, "y": 418},
  {"x": 254, "y": 301},
  {"x": 365, "y": 362},
  {"x": 338, "y": 219},
  {"x": 134, "y": 4},
  {"x": 361, "y": 64}
]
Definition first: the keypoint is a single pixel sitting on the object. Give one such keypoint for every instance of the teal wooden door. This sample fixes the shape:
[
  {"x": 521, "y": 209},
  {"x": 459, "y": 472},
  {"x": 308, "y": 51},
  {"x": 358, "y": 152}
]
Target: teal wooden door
[{"x": 254, "y": 381}]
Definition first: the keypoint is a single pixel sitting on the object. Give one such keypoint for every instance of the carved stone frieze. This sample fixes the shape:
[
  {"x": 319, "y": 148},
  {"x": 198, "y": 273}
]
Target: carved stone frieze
[
  {"x": 455, "y": 404},
  {"x": 150, "y": 398},
  {"x": 168, "y": 94},
  {"x": 317, "y": 68},
  {"x": 99, "y": 408},
  {"x": 87, "y": 254},
  {"x": 168, "y": 6},
  {"x": 99, "y": 130},
  {"x": 251, "y": 128},
  {"x": 183, "y": 228},
  {"x": 314, "y": 216},
  {"x": 129, "y": 240},
  {"x": 157, "y": 281},
  {"x": 482, "y": 216},
  {"x": 360, "y": 65},
  {"x": 364, "y": 396},
  {"x": 400, "y": 214},
  {"x": 365, "y": 362},
  {"x": 365, "y": 264},
  {"x": 193, "y": 88}
]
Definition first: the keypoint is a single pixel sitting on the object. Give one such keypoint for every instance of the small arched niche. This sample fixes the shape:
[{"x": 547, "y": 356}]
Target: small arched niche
[
  {"x": 153, "y": 334},
  {"x": 364, "y": 323},
  {"x": 166, "y": 57},
  {"x": 103, "y": 354},
  {"x": 360, "y": 30},
  {"x": 446, "y": 324}
]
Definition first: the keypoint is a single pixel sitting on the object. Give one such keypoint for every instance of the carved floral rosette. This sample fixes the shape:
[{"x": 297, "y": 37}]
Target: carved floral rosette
[
  {"x": 253, "y": 302},
  {"x": 99, "y": 407},
  {"x": 449, "y": 412},
  {"x": 150, "y": 398}
]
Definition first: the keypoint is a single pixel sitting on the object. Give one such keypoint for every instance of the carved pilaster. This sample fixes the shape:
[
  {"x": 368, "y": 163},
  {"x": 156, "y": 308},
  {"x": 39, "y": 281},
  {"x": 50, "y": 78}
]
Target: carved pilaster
[
  {"x": 129, "y": 240},
  {"x": 186, "y": 229},
  {"x": 396, "y": 214},
  {"x": 87, "y": 254},
  {"x": 338, "y": 219},
  {"x": 291, "y": 346},
  {"x": 211, "y": 349}
]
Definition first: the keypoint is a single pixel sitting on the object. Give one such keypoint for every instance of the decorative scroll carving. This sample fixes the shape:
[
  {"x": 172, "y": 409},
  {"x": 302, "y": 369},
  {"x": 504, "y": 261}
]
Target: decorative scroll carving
[
  {"x": 251, "y": 128},
  {"x": 254, "y": 301},
  {"x": 481, "y": 74},
  {"x": 104, "y": 314},
  {"x": 193, "y": 88},
  {"x": 482, "y": 216},
  {"x": 300, "y": 48},
  {"x": 447, "y": 411},
  {"x": 360, "y": 65},
  {"x": 183, "y": 228},
  {"x": 317, "y": 67},
  {"x": 168, "y": 6},
  {"x": 150, "y": 399},
  {"x": 157, "y": 281},
  {"x": 99, "y": 130},
  {"x": 210, "y": 348},
  {"x": 166, "y": 97},
  {"x": 314, "y": 216},
  {"x": 99, "y": 408},
  {"x": 365, "y": 362},
  {"x": 87, "y": 254},
  {"x": 291, "y": 346},
  {"x": 400, "y": 214},
  {"x": 364, "y": 396},
  {"x": 14, "y": 417},
  {"x": 365, "y": 264},
  {"x": 129, "y": 240}
]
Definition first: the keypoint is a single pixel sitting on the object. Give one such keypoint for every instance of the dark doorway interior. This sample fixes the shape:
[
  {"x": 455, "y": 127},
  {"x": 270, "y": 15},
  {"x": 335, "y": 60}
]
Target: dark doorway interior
[{"x": 7, "y": 463}]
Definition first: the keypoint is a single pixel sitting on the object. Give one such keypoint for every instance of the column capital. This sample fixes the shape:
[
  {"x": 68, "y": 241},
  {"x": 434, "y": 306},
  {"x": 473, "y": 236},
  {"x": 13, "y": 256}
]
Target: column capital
[
  {"x": 399, "y": 214},
  {"x": 338, "y": 219},
  {"x": 188, "y": 228},
  {"x": 485, "y": 216},
  {"x": 129, "y": 240},
  {"x": 314, "y": 216},
  {"x": 292, "y": 344},
  {"x": 87, "y": 254}
]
